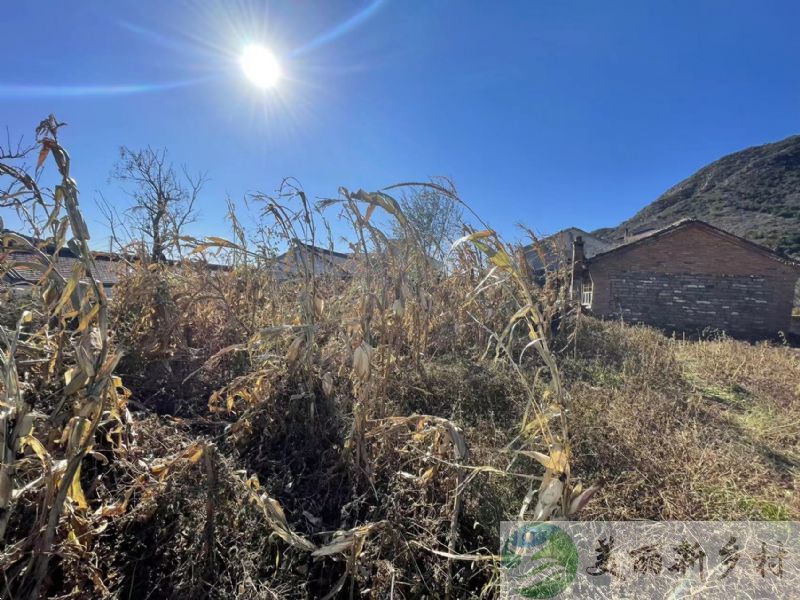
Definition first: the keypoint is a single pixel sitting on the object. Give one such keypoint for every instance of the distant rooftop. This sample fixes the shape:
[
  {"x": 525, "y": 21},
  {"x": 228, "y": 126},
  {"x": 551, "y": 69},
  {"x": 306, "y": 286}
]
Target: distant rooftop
[
  {"x": 109, "y": 267},
  {"x": 551, "y": 251}
]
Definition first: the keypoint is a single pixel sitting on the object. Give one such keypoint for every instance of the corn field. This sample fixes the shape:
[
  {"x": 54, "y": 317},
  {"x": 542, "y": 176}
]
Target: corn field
[{"x": 243, "y": 432}]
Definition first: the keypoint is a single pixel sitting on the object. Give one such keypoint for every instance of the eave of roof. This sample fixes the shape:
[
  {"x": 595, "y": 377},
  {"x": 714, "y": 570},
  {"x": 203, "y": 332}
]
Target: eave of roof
[
  {"x": 310, "y": 248},
  {"x": 553, "y": 238},
  {"x": 99, "y": 256},
  {"x": 106, "y": 271}
]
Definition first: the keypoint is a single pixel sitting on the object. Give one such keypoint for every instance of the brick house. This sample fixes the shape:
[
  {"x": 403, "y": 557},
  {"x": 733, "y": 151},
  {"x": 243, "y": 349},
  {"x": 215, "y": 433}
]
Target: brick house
[{"x": 690, "y": 276}]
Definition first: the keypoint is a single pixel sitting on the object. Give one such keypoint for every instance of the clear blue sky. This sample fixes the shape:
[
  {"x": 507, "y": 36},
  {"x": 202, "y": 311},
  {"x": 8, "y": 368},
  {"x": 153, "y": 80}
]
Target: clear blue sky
[{"x": 553, "y": 113}]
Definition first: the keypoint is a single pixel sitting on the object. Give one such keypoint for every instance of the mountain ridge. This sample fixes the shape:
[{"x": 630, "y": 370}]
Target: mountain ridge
[{"x": 753, "y": 193}]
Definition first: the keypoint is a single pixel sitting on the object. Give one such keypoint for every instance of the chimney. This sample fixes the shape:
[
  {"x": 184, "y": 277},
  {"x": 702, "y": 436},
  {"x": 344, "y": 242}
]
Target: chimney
[
  {"x": 578, "y": 255},
  {"x": 578, "y": 258}
]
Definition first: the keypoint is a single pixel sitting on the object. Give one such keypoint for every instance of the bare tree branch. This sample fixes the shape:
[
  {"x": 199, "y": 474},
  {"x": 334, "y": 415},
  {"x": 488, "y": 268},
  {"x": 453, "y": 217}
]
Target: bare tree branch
[
  {"x": 163, "y": 200},
  {"x": 435, "y": 216}
]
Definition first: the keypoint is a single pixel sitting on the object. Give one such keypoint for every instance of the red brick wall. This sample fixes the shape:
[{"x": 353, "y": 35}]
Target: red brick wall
[{"x": 693, "y": 278}]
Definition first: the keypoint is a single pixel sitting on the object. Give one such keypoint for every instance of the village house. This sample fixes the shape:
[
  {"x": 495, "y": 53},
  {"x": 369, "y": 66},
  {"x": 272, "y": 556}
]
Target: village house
[
  {"x": 555, "y": 251},
  {"x": 336, "y": 264},
  {"x": 323, "y": 261},
  {"x": 18, "y": 262},
  {"x": 18, "y": 270},
  {"x": 689, "y": 276}
]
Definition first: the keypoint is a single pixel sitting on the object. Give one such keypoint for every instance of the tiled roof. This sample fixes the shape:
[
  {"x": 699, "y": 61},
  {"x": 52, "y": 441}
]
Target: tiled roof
[
  {"x": 653, "y": 234},
  {"x": 108, "y": 272},
  {"x": 298, "y": 245},
  {"x": 109, "y": 268},
  {"x": 550, "y": 251}
]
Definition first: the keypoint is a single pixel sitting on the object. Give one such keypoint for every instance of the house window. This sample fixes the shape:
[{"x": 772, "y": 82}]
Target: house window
[{"x": 587, "y": 288}]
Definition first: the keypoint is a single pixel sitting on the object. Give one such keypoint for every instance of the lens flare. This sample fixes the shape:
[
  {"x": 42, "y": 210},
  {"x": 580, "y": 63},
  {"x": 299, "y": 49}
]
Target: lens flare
[
  {"x": 260, "y": 66},
  {"x": 13, "y": 90},
  {"x": 342, "y": 29}
]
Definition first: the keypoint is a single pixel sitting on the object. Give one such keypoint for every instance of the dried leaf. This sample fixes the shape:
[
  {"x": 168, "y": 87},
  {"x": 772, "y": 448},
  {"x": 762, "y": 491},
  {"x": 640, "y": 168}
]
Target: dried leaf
[
  {"x": 319, "y": 306},
  {"x": 37, "y": 447},
  {"x": 76, "y": 491},
  {"x": 398, "y": 308},
  {"x": 370, "y": 210},
  {"x": 549, "y": 497},
  {"x": 582, "y": 499},
  {"x": 6, "y": 486},
  {"x": 557, "y": 462},
  {"x": 293, "y": 353},
  {"x": 327, "y": 384},
  {"x": 42, "y": 156},
  {"x": 477, "y": 235},
  {"x": 72, "y": 283},
  {"x": 74, "y": 378},
  {"x": 361, "y": 361}
]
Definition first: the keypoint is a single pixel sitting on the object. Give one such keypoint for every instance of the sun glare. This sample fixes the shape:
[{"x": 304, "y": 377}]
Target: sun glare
[{"x": 260, "y": 66}]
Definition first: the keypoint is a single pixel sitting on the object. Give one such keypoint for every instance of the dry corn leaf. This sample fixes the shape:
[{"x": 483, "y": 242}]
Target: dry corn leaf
[
  {"x": 327, "y": 384},
  {"x": 361, "y": 361},
  {"x": 557, "y": 461},
  {"x": 319, "y": 306},
  {"x": 72, "y": 283},
  {"x": 75, "y": 492},
  {"x": 118, "y": 508},
  {"x": 89, "y": 316},
  {"x": 347, "y": 541},
  {"x": 549, "y": 497},
  {"x": 42, "y": 156},
  {"x": 502, "y": 260},
  {"x": 581, "y": 499},
  {"x": 477, "y": 235},
  {"x": 293, "y": 353},
  {"x": 427, "y": 476},
  {"x": 37, "y": 447},
  {"x": 193, "y": 453},
  {"x": 6, "y": 486},
  {"x": 398, "y": 308},
  {"x": 273, "y": 513},
  {"x": 370, "y": 210}
]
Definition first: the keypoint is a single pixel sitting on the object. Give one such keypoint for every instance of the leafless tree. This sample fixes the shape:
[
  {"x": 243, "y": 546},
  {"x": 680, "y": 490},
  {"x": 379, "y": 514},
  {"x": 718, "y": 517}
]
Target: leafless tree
[
  {"x": 436, "y": 218},
  {"x": 163, "y": 199}
]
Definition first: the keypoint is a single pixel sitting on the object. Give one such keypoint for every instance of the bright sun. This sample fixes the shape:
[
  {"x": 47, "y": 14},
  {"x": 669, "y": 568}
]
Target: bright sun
[{"x": 260, "y": 66}]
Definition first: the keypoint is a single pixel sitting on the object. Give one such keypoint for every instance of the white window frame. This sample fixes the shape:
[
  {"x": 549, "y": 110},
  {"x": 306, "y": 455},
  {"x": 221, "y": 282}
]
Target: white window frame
[{"x": 587, "y": 292}]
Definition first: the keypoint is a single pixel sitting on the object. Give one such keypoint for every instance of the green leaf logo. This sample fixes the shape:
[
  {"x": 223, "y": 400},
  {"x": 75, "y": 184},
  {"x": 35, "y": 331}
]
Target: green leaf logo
[{"x": 541, "y": 560}]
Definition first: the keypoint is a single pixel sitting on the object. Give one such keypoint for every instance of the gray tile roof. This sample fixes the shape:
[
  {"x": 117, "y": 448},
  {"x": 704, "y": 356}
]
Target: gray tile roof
[{"x": 108, "y": 271}]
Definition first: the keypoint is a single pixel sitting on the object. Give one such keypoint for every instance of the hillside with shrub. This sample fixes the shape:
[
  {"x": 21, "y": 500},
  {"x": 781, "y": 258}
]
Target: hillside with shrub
[{"x": 754, "y": 193}]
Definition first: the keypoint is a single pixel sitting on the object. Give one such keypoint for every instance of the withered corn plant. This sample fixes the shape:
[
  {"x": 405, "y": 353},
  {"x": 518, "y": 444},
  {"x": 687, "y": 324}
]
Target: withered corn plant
[
  {"x": 64, "y": 422},
  {"x": 68, "y": 343},
  {"x": 393, "y": 289},
  {"x": 285, "y": 463},
  {"x": 544, "y": 424}
]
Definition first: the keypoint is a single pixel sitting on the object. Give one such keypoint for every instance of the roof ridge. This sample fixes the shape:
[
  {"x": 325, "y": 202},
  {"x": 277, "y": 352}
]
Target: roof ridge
[{"x": 692, "y": 220}]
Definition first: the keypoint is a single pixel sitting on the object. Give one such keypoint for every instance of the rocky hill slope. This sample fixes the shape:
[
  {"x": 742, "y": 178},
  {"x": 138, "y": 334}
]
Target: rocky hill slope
[{"x": 754, "y": 193}]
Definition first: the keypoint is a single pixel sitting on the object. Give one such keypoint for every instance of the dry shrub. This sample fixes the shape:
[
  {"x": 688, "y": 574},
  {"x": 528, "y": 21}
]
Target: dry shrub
[{"x": 179, "y": 326}]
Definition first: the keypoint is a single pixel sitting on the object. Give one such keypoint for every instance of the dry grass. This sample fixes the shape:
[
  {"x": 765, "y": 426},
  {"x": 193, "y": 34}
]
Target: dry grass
[{"x": 686, "y": 429}]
